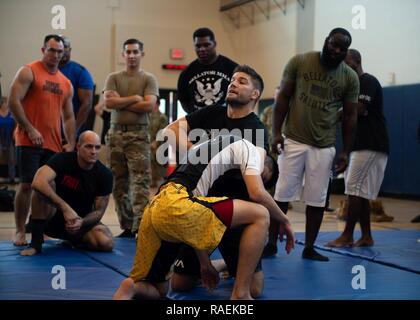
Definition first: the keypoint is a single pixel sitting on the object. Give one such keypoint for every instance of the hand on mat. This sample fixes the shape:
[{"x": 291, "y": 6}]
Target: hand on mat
[
  {"x": 73, "y": 226},
  {"x": 209, "y": 276},
  {"x": 286, "y": 229}
]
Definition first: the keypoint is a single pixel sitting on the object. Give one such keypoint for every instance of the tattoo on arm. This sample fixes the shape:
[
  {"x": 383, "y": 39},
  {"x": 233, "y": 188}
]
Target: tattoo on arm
[{"x": 95, "y": 216}]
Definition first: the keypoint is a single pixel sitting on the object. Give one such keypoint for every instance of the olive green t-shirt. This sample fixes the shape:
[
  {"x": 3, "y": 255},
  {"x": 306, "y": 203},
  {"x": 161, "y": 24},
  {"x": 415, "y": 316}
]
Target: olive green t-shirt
[
  {"x": 142, "y": 83},
  {"x": 318, "y": 95}
]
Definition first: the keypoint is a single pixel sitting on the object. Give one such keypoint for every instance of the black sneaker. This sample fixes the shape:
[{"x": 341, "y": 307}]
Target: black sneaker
[
  {"x": 310, "y": 254},
  {"x": 127, "y": 234},
  {"x": 269, "y": 250}
]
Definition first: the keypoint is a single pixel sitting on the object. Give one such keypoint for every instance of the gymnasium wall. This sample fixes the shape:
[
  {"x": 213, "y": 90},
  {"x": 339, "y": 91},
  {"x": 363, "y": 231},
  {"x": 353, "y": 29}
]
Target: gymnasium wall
[{"x": 388, "y": 43}]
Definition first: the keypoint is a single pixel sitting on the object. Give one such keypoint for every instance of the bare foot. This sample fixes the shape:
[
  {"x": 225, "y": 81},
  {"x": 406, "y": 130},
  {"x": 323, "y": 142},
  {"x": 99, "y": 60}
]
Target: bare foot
[
  {"x": 126, "y": 291},
  {"x": 28, "y": 252},
  {"x": 340, "y": 242},
  {"x": 364, "y": 242},
  {"x": 246, "y": 297},
  {"x": 20, "y": 239}
]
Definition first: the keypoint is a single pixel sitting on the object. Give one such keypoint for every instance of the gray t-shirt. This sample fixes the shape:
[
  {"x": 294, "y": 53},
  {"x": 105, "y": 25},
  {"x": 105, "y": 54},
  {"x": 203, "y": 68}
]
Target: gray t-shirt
[
  {"x": 318, "y": 95},
  {"x": 142, "y": 83}
]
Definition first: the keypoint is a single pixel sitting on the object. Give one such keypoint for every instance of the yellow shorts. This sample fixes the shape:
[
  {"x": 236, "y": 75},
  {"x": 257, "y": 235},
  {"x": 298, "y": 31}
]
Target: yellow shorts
[{"x": 174, "y": 215}]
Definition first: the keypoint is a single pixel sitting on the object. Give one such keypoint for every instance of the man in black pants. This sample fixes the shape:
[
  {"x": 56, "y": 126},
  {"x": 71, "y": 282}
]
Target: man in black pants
[{"x": 77, "y": 187}]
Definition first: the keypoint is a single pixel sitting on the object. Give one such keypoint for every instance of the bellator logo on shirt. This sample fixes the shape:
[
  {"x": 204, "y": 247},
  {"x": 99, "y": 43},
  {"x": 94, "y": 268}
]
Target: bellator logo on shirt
[
  {"x": 208, "y": 87},
  {"x": 208, "y": 93}
]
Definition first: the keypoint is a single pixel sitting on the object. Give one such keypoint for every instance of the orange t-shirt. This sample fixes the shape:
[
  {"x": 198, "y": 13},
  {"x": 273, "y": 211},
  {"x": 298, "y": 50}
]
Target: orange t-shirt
[{"x": 43, "y": 104}]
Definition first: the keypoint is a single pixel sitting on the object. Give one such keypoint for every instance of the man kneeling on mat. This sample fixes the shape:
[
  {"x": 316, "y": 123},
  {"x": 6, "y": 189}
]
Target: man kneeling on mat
[
  {"x": 186, "y": 275},
  {"x": 180, "y": 213},
  {"x": 72, "y": 193}
]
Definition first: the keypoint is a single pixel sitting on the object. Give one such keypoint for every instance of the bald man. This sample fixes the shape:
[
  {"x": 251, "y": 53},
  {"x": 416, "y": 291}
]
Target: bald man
[{"x": 72, "y": 193}]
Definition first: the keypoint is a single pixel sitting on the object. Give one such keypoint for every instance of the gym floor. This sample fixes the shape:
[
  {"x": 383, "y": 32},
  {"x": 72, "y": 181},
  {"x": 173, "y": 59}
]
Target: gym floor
[
  {"x": 395, "y": 255},
  {"x": 403, "y": 212}
]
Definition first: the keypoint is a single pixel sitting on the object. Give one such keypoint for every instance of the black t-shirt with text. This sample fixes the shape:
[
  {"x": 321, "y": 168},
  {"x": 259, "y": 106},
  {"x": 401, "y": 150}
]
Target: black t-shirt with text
[
  {"x": 214, "y": 120},
  {"x": 371, "y": 128},
  {"x": 79, "y": 187},
  {"x": 201, "y": 85}
]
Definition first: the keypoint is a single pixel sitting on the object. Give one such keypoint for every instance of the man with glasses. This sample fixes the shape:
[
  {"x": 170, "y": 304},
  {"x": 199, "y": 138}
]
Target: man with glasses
[
  {"x": 39, "y": 97},
  {"x": 75, "y": 188}
]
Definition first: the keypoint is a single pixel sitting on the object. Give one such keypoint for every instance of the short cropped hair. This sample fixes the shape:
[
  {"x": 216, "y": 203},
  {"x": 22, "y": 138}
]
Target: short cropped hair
[
  {"x": 204, "y": 32},
  {"x": 56, "y": 37},
  {"x": 133, "y": 41},
  {"x": 272, "y": 164},
  {"x": 355, "y": 55},
  {"x": 257, "y": 80},
  {"x": 342, "y": 31}
]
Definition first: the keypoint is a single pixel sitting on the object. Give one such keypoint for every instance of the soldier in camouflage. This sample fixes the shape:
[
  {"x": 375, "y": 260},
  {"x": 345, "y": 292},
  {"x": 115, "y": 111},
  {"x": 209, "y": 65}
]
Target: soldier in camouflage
[
  {"x": 130, "y": 95},
  {"x": 267, "y": 119},
  {"x": 158, "y": 121}
]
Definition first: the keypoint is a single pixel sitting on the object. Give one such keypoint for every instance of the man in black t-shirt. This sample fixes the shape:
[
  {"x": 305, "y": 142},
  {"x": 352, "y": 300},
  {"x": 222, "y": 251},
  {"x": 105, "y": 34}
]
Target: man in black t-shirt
[
  {"x": 237, "y": 119},
  {"x": 368, "y": 158},
  {"x": 72, "y": 195},
  {"x": 204, "y": 82}
]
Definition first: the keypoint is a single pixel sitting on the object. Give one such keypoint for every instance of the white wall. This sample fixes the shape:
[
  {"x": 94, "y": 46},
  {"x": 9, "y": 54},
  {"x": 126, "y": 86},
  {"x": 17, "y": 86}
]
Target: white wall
[
  {"x": 161, "y": 24},
  {"x": 389, "y": 44},
  {"x": 268, "y": 44},
  {"x": 305, "y": 27},
  {"x": 165, "y": 24},
  {"x": 24, "y": 23}
]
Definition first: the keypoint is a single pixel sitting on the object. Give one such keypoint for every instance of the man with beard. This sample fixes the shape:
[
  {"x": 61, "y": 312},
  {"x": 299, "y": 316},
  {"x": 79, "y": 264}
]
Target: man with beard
[
  {"x": 238, "y": 119},
  {"x": 315, "y": 86},
  {"x": 368, "y": 157},
  {"x": 205, "y": 81}
]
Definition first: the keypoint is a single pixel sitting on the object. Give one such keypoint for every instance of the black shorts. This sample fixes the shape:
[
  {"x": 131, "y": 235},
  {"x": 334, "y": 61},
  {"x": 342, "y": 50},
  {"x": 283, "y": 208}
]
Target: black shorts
[
  {"x": 163, "y": 261},
  {"x": 187, "y": 262},
  {"x": 55, "y": 228},
  {"x": 29, "y": 160}
]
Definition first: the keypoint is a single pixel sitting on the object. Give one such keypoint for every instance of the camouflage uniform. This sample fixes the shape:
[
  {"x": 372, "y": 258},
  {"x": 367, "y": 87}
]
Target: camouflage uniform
[
  {"x": 128, "y": 140},
  {"x": 267, "y": 120},
  {"x": 158, "y": 121}
]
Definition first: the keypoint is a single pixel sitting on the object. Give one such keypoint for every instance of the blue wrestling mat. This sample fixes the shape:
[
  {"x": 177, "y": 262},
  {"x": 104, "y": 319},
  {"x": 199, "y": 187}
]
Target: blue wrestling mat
[
  {"x": 395, "y": 248},
  {"x": 390, "y": 271}
]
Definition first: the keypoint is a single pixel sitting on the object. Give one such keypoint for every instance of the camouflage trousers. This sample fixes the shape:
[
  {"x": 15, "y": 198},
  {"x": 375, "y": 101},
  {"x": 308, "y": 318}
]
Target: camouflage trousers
[{"x": 130, "y": 165}]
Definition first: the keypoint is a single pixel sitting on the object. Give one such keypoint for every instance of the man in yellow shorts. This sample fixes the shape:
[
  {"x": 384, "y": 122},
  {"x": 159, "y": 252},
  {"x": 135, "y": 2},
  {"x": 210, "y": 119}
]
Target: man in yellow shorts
[{"x": 180, "y": 213}]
